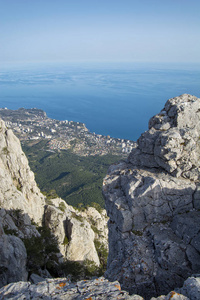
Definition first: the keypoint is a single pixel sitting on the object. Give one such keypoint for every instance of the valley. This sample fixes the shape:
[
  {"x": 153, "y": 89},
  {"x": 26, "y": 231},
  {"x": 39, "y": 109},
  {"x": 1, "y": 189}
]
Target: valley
[{"x": 67, "y": 159}]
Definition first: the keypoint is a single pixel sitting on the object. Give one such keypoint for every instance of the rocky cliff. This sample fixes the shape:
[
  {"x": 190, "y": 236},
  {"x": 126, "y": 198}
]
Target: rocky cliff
[
  {"x": 153, "y": 201},
  {"x": 22, "y": 205},
  {"x": 18, "y": 187},
  {"x": 74, "y": 232}
]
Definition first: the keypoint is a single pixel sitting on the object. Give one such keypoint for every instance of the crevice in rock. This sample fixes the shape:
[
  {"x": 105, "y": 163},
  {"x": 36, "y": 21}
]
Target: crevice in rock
[{"x": 68, "y": 228}]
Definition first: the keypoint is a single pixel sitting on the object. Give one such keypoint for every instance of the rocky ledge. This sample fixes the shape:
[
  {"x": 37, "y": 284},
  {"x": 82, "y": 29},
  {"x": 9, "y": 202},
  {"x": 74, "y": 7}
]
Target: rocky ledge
[
  {"x": 62, "y": 288},
  {"x": 153, "y": 201},
  {"x": 96, "y": 289}
]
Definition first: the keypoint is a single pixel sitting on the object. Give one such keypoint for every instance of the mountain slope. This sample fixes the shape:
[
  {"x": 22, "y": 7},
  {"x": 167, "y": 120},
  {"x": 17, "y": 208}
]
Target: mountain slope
[{"x": 153, "y": 202}]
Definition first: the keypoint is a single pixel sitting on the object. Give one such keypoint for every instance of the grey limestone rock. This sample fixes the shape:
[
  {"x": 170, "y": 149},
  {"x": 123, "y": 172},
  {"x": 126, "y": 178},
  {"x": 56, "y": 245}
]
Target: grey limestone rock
[
  {"x": 17, "y": 223},
  {"x": 189, "y": 291},
  {"x": 172, "y": 134},
  {"x": 12, "y": 259},
  {"x": 99, "y": 289},
  {"x": 191, "y": 288},
  {"x": 62, "y": 288},
  {"x": 74, "y": 233},
  {"x": 14, "y": 226},
  {"x": 18, "y": 188},
  {"x": 153, "y": 203},
  {"x": 98, "y": 222}
]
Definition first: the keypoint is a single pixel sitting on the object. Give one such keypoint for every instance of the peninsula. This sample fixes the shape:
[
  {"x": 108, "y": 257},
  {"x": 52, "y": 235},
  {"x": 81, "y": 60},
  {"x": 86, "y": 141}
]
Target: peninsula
[{"x": 33, "y": 125}]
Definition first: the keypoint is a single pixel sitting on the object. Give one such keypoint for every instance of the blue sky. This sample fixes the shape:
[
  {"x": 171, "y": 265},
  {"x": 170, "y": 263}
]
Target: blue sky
[{"x": 100, "y": 30}]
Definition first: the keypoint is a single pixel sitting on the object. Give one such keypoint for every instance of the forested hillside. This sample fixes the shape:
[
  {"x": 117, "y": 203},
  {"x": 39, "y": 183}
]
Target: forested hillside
[{"x": 76, "y": 179}]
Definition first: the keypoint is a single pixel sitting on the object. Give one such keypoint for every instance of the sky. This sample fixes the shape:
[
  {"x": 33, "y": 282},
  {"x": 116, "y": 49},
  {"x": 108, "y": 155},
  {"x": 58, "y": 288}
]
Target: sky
[{"x": 99, "y": 30}]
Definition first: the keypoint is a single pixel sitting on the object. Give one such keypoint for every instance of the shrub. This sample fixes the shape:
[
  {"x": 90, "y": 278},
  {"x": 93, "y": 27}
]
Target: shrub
[
  {"x": 77, "y": 217},
  {"x": 65, "y": 241},
  {"x": 137, "y": 232},
  {"x": 10, "y": 231},
  {"x": 48, "y": 202},
  {"x": 95, "y": 229},
  {"x": 50, "y": 194},
  {"x": 79, "y": 270},
  {"x": 102, "y": 253},
  {"x": 42, "y": 250},
  {"x": 5, "y": 150},
  {"x": 97, "y": 206},
  {"x": 62, "y": 206},
  {"x": 17, "y": 215}
]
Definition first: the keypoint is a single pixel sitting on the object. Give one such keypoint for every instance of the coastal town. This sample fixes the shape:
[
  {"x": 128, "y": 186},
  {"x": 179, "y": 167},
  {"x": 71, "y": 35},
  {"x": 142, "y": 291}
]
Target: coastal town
[{"x": 33, "y": 125}]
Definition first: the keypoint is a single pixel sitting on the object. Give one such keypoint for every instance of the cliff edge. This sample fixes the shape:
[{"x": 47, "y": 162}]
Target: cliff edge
[
  {"x": 80, "y": 236},
  {"x": 153, "y": 201},
  {"x": 18, "y": 187}
]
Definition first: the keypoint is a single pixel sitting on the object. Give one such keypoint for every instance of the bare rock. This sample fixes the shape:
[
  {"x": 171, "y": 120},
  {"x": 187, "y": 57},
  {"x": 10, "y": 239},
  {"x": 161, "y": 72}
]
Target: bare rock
[
  {"x": 12, "y": 260},
  {"x": 18, "y": 188},
  {"x": 98, "y": 222},
  {"x": 99, "y": 289},
  {"x": 191, "y": 288},
  {"x": 172, "y": 134},
  {"x": 153, "y": 203},
  {"x": 17, "y": 223},
  {"x": 62, "y": 288},
  {"x": 74, "y": 233}
]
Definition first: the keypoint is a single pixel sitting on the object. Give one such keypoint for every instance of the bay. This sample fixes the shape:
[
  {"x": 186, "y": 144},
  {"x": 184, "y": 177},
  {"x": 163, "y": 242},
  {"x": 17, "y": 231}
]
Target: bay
[{"x": 115, "y": 99}]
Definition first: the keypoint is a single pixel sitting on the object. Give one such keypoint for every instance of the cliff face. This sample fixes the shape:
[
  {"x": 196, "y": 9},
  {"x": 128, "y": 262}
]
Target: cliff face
[
  {"x": 21, "y": 201},
  {"x": 153, "y": 201},
  {"x": 74, "y": 232},
  {"x": 18, "y": 188}
]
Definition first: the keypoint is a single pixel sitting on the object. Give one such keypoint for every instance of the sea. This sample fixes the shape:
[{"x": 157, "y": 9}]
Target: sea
[{"x": 115, "y": 99}]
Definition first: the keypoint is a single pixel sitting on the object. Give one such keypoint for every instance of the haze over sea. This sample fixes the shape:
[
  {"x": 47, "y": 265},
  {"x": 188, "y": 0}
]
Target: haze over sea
[{"x": 115, "y": 99}]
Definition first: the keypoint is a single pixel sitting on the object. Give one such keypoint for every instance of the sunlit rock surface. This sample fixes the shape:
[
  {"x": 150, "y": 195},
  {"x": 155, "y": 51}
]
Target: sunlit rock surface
[
  {"x": 153, "y": 202},
  {"x": 18, "y": 189}
]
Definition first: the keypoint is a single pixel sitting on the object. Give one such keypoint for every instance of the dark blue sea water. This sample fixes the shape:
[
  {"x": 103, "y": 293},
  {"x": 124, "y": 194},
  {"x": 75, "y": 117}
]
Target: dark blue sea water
[{"x": 111, "y": 99}]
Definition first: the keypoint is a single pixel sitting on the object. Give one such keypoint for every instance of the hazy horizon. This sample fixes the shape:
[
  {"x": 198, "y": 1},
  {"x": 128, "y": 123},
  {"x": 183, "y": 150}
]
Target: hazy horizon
[
  {"x": 112, "y": 99},
  {"x": 99, "y": 31}
]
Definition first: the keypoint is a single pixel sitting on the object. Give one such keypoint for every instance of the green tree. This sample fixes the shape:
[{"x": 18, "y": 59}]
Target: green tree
[{"x": 41, "y": 251}]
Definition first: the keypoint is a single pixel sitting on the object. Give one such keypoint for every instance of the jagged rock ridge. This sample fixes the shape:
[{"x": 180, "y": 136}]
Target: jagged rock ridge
[{"x": 153, "y": 202}]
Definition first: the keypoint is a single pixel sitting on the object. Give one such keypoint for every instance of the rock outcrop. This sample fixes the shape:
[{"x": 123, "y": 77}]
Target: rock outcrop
[
  {"x": 99, "y": 289},
  {"x": 153, "y": 201},
  {"x": 62, "y": 288},
  {"x": 12, "y": 259},
  {"x": 18, "y": 187},
  {"x": 74, "y": 232},
  {"x": 14, "y": 227},
  {"x": 99, "y": 223},
  {"x": 22, "y": 205}
]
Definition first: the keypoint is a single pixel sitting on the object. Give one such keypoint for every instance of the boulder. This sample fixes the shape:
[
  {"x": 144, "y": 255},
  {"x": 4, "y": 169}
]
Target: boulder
[{"x": 12, "y": 259}]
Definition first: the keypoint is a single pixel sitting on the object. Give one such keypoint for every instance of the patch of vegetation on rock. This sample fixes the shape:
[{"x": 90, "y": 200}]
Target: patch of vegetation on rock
[
  {"x": 102, "y": 253},
  {"x": 42, "y": 251}
]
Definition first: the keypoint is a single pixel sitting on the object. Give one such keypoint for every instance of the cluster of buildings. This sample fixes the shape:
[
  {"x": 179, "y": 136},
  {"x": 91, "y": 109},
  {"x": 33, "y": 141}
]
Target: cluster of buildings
[{"x": 33, "y": 124}]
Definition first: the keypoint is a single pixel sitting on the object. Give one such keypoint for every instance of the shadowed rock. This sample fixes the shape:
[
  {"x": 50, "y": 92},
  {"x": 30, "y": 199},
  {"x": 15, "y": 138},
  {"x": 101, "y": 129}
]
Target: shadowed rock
[{"x": 153, "y": 203}]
